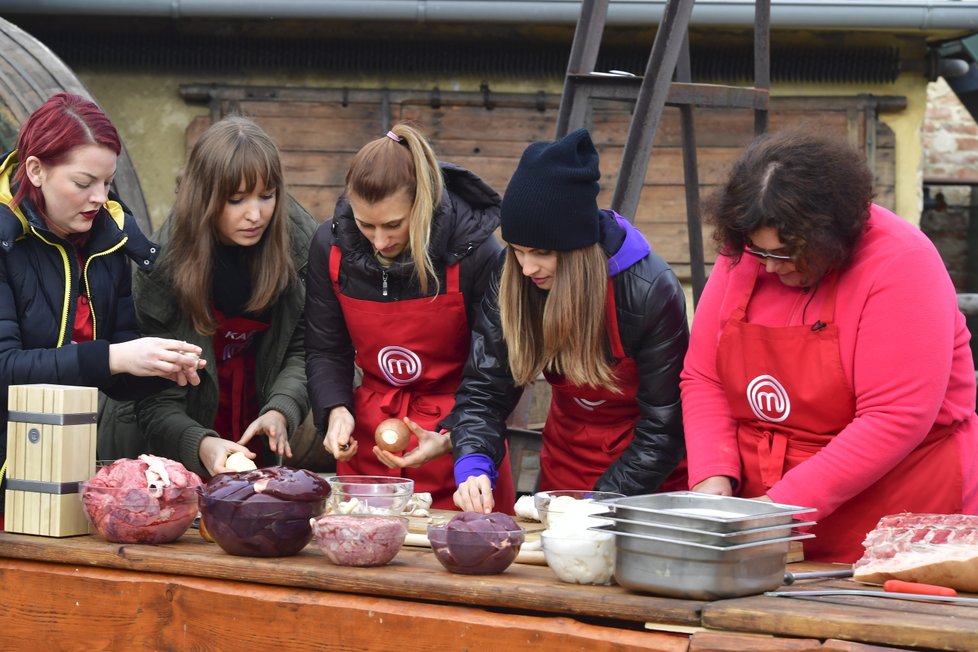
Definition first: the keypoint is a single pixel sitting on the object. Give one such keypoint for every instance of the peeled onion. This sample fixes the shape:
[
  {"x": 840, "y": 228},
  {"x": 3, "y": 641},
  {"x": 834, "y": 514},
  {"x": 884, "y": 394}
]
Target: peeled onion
[
  {"x": 239, "y": 462},
  {"x": 392, "y": 435}
]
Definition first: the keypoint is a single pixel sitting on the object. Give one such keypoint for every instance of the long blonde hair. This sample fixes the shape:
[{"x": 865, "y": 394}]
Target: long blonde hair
[
  {"x": 563, "y": 330},
  {"x": 231, "y": 151},
  {"x": 386, "y": 166}
]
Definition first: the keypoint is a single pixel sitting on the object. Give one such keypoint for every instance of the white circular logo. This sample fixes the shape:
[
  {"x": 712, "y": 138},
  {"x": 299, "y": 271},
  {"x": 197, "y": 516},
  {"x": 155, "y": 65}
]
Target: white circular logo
[
  {"x": 588, "y": 405},
  {"x": 768, "y": 400},
  {"x": 400, "y": 366}
]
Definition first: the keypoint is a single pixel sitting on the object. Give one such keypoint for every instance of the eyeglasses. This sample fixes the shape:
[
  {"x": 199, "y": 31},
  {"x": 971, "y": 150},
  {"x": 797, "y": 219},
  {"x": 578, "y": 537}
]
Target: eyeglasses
[{"x": 765, "y": 254}]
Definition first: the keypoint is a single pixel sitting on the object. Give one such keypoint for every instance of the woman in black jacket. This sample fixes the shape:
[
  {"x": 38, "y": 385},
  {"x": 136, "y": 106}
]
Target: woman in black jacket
[
  {"x": 582, "y": 299},
  {"x": 394, "y": 282},
  {"x": 66, "y": 313}
]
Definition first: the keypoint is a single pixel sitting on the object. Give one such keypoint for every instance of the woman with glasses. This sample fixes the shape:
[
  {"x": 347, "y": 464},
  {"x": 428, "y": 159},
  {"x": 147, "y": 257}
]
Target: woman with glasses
[{"x": 829, "y": 365}]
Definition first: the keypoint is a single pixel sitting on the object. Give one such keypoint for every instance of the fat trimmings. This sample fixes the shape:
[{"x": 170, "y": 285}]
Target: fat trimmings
[{"x": 575, "y": 553}]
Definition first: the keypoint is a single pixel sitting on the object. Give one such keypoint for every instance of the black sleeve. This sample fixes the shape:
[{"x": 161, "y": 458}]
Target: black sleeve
[
  {"x": 655, "y": 333},
  {"x": 329, "y": 349},
  {"x": 487, "y": 394}
]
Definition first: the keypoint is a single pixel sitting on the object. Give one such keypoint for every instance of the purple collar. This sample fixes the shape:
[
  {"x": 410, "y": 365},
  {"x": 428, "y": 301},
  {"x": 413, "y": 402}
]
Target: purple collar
[{"x": 634, "y": 248}]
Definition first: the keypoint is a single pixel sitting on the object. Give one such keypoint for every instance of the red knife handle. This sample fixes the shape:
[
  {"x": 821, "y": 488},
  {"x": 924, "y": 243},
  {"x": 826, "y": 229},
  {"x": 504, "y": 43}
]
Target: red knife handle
[{"x": 899, "y": 586}]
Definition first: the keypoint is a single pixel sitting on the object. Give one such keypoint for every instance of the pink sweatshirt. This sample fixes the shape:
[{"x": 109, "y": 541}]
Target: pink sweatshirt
[{"x": 904, "y": 348}]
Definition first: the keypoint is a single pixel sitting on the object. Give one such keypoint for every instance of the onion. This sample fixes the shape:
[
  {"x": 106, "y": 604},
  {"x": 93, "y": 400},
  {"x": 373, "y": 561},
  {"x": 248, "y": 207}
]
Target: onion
[{"x": 392, "y": 435}]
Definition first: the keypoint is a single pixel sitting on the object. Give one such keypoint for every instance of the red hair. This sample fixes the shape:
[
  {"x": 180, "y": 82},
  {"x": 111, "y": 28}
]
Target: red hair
[{"x": 57, "y": 127}]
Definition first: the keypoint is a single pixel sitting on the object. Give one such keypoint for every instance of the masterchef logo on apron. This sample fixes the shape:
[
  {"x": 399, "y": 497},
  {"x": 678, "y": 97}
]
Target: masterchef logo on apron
[
  {"x": 768, "y": 399},
  {"x": 400, "y": 366},
  {"x": 235, "y": 342},
  {"x": 588, "y": 405}
]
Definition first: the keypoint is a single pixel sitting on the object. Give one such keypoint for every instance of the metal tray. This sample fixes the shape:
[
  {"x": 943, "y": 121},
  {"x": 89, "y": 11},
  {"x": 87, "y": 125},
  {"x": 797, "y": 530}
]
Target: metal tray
[
  {"x": 704, "y": 511},
  {"x": 677, "y": 533},
  {"x": 696, "y": 571}
]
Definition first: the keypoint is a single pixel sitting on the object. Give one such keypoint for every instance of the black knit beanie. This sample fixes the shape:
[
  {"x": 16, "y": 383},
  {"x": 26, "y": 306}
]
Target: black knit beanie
[{"x": 551, "y": 201}]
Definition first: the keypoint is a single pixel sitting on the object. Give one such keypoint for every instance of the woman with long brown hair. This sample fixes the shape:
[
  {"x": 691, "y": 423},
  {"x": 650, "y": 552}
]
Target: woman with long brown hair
[
  {"x": 230, "y": 281},
  {"x": 395, "y": 280},
  {"x": 582, "y": 299}
]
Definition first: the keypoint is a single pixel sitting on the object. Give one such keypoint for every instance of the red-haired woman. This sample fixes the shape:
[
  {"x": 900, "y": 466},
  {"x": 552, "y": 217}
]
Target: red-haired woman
[
  {"x": 395, "y": 280},
  {"x": 66, "y": 313}
]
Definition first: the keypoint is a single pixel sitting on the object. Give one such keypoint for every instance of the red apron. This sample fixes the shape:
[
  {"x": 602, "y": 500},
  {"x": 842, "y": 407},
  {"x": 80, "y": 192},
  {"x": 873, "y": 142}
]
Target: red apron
[
  {"x": 787, "y": 390},
  {"x": 237, "y": 406},
  {"x": 588, "y": 428},
  {"x": 412, "y": 354}
]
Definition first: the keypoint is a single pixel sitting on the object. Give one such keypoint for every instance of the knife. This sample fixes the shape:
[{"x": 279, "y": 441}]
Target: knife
[{"x": 874, "y": 594}]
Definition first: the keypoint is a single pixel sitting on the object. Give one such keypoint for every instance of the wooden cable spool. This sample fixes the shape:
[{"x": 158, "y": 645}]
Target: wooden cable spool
[{"x": 30, "y": 73}]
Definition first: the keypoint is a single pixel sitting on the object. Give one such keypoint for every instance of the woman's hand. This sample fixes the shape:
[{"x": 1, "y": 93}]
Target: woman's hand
[
  {"x": 430, "y": 445},
  {"x": 718, "y": 485},
  {"x": 475, "y": 495},
  {"x": 273, "y": 425},
  {"x": 214, "y": 452},
  {"x": 339, "y": 439},
  {"x": 156, "y": 356}
]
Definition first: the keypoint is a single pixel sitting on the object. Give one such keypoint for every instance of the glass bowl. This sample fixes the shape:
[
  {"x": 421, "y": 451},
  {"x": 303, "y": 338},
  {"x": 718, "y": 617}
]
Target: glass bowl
[
  {"x": 139, "y": 515},
  {"x": 369, "y": 494},
  {"x": 260, "y": 526},
  {"x": 360, "y": 539},
  {"x": 475, "y": 553},
  {"x": 586, "y": 557},
  {"x": 571, "y": 501}
]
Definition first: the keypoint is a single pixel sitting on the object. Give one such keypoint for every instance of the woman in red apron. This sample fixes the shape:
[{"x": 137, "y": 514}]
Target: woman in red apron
[
  {"x": 582, "y": 299},
  {"x": 799, "y": 386},
  {"x": 402, "y": 317},
  {"x": 229, "y": 280}
]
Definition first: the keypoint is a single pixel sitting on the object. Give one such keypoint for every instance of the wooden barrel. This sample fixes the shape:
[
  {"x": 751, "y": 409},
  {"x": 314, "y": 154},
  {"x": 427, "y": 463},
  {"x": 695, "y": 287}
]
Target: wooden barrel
[{"x": 30, "y": 73}]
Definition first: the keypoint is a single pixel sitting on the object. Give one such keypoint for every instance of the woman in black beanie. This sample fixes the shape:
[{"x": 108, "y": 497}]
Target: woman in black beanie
[{"x": 581, "y": 298}]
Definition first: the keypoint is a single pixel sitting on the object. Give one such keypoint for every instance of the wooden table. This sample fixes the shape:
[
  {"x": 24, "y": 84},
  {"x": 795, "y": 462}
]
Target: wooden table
[{"x": 85, "y": 593}]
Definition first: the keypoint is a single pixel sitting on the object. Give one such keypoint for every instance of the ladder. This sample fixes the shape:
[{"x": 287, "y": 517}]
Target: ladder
[{"x": 667, "y": 81}]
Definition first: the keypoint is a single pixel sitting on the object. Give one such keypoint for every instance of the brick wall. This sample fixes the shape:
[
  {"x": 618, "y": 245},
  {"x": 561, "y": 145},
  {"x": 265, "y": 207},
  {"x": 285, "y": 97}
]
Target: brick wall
[{"x": 950, "y": 142}]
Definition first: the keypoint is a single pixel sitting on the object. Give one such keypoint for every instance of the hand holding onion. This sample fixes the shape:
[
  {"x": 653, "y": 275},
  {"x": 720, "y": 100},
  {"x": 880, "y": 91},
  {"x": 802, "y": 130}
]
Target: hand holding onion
[
  {"x": 392, "y": 435},
  {"x": 430, "y": 445}
]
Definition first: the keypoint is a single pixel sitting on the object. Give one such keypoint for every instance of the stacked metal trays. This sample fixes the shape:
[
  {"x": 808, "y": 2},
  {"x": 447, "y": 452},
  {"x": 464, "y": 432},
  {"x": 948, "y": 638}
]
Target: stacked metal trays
[{"x": 699, "y": 546}]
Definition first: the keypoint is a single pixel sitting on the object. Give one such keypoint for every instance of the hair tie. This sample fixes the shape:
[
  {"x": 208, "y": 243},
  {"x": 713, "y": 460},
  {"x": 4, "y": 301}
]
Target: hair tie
[{"x": 394, "y": 137}]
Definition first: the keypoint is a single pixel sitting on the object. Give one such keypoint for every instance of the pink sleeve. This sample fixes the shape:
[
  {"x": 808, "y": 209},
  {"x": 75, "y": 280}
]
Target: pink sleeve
[
  {"x": 711, "y": 432},
  {"x": 901, "y": 362}
]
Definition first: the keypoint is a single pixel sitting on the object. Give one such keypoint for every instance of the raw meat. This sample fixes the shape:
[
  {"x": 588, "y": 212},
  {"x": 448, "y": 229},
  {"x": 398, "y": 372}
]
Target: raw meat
[
  {"x": 146, "y": 500},
  {"x": 937, "y": 549},
  {"x": 361, "y": 540}
]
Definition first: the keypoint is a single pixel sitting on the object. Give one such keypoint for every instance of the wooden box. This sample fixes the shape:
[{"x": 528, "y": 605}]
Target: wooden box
[{"x": 51, "y": 436}]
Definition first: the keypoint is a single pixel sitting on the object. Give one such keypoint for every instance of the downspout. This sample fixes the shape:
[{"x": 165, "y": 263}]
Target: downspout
[{"x": 923, "y": 15}]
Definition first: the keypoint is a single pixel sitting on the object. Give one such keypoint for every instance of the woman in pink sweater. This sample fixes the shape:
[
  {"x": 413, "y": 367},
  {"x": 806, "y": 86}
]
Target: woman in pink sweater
[{"x": 829, "y": 365}]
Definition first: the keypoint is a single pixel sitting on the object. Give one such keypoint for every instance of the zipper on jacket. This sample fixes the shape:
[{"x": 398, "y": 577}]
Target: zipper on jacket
[
  {"x": 67, "y": 300},
  {"x": 88, "y": 289},
  {"x": 383, "y": 287}
]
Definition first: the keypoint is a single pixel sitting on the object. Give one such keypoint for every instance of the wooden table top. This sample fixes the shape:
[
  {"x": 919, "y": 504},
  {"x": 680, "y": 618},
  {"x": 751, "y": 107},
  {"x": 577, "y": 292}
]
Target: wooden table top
[{"x": 415, "y": 574}]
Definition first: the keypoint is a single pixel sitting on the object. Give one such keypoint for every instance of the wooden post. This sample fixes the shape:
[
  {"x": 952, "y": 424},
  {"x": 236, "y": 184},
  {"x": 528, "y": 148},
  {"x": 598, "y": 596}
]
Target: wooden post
[{"x": 51, "y": 438}]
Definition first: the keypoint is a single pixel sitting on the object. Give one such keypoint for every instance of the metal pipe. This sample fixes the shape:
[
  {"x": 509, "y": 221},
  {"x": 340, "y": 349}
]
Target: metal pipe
[{"x": 878, "y": 14}]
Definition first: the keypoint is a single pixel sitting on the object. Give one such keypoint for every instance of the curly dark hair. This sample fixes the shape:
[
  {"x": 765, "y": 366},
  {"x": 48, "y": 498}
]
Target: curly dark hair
[{"x": 815, "y": 191}]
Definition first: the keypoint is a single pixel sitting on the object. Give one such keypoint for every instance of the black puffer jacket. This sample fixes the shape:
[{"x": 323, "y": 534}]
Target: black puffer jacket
[
  {"x": 462, "y": 231},
  {"x": 654, "y": 332},
  {"x": 38, "y": 300}
]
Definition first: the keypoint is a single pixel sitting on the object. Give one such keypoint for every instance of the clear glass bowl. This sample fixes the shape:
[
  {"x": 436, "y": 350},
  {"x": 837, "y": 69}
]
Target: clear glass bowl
[
  {"x": 577, "y": 501},
  {"x": 260, "y": 526},
  {"x": 369, "y": 494},
  {"x": 475, "y": 553},
  {"x": 139, "y": 515},
  {"x": 580, "y": 558},
  {"x": 360, "y": 539}
]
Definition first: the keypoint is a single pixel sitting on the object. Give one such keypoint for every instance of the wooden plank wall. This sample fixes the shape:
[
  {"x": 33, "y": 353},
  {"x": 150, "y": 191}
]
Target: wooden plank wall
[{"x": 317, "y": 139}]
